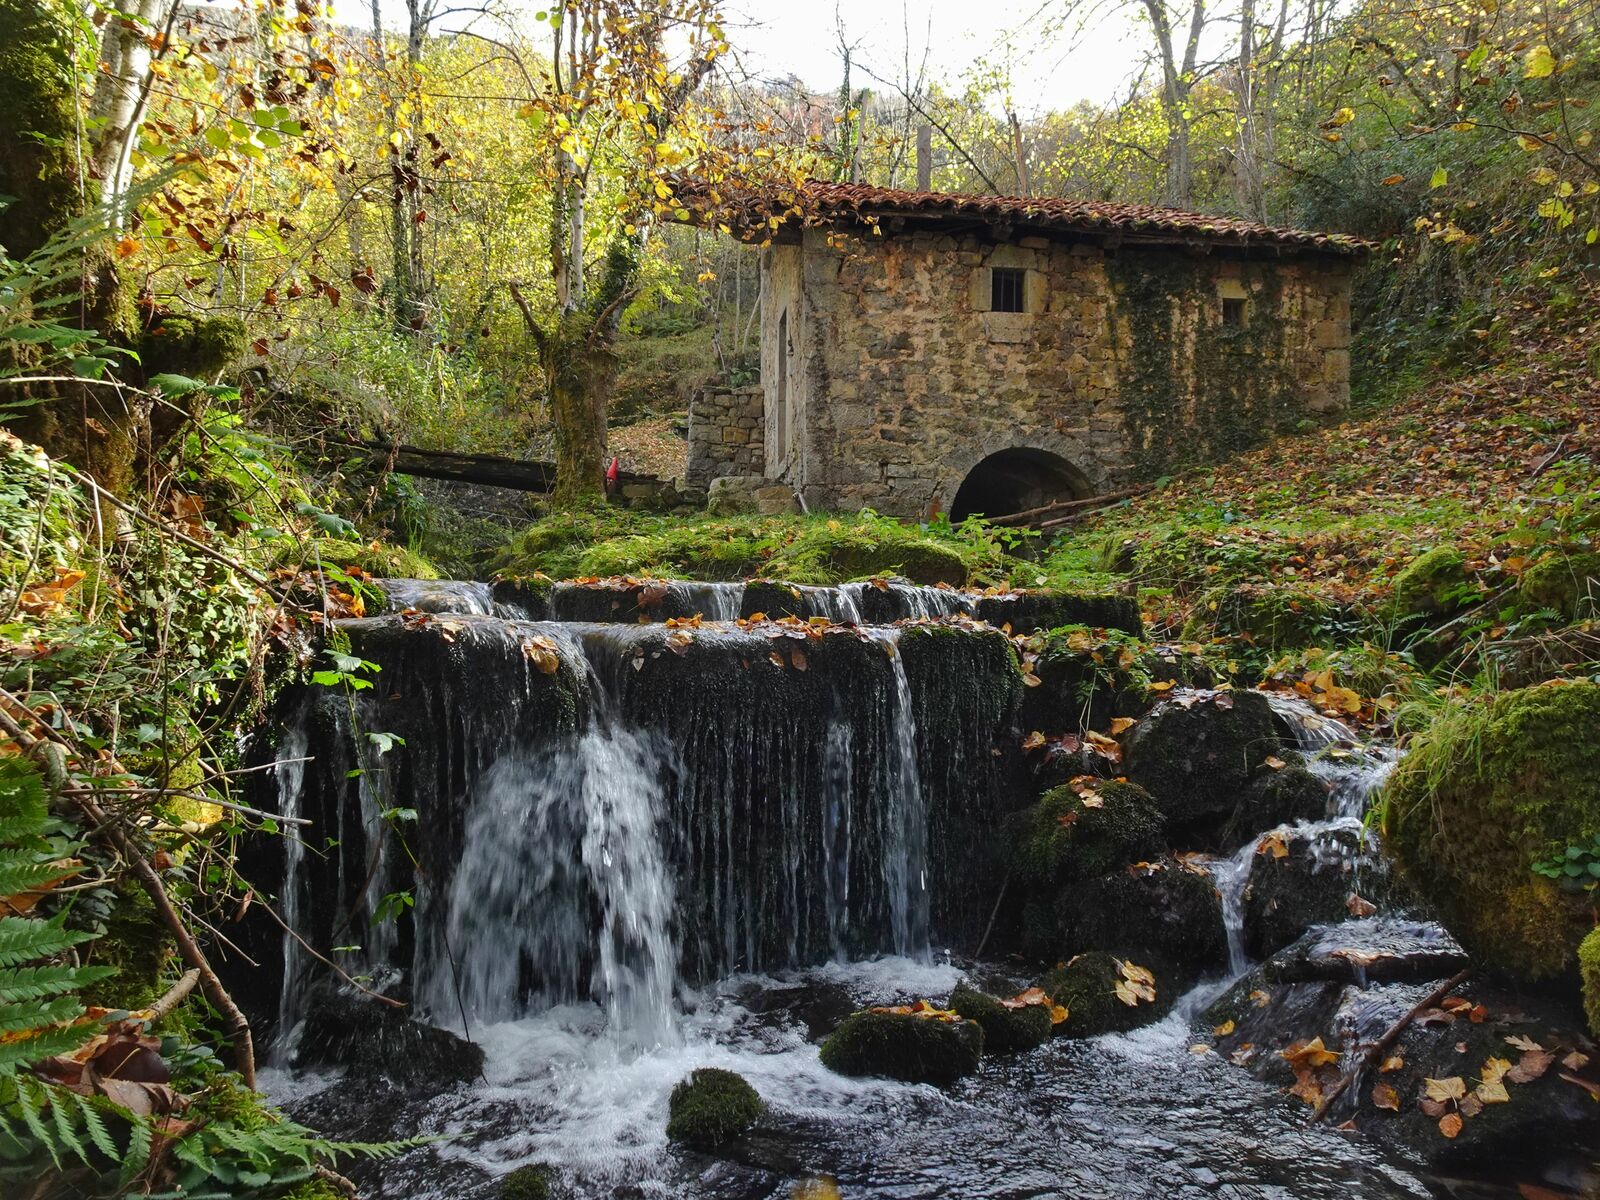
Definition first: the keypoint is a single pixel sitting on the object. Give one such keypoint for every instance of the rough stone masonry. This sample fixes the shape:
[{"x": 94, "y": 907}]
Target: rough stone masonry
[{"x": 925, "y": 353}]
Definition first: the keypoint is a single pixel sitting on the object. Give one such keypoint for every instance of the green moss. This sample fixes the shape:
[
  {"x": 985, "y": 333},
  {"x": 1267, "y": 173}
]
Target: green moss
[
  {"x": 1240, "y": 386},
  {"x": 1267, "y": 614},
  {"x": 1087, "y": 987},
  {"x": 314, "y": 1189},
  {"x": 897, "y": 1046},
  {"x": 1430, "y": 585},
  {"x": 712, "y": 1106},
  {"x": 38, "y": 112},
  {"x": 195, "y": 346},
  {"x": 531, "y": 1182},
  {"x": 138, "y": 945},
  {"x": 1005, "y": 1030},
  {"x": 1567, "y": 583},
  {"x": 1487, "y": 791},
  {"x": 1589, "y": 972},
  {"x": 378, "y": 559},
  {"x": 1063, "y": 838}
]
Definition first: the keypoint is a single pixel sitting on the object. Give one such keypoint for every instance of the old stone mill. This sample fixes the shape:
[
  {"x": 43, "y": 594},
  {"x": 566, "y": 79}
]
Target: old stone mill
[{"x": 925, "y": 353}]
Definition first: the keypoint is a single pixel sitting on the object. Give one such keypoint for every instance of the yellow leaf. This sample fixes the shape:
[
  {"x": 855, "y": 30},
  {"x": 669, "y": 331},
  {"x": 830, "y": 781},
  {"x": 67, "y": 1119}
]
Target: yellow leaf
[
  {"x": 1453, "y": 1088},
  {"x": 1224, "y": 1029},
  {"x": 1121, "y": 725},
  {"x": 1530, "y": 144},
  {"x": 1538, "y": 63},
  {"x": 1309, "y": 1054},
  {"x": 1393, "y": 1063}
]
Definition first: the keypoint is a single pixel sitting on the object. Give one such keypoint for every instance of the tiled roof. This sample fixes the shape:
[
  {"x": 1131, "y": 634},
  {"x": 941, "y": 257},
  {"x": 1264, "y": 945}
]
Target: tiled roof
[{"x": 834, "y": 200}]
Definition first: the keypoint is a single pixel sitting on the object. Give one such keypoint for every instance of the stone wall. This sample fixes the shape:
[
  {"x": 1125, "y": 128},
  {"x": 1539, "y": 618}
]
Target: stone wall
[
  {"x": 727, "y": 434},
  {"x": 899, "y": 380}
]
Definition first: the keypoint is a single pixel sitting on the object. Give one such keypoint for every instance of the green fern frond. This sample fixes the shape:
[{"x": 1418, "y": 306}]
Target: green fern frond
[
  {"x": 51, "y": 1041},
  {"x": 23, "y": 813},
  {"x": 40, "y": 983},
  {"x": 18, "y": 874},
  {"x": 32, "y": 1014},
  {"x": 137, "y": 1156},
  {"x": 25, "y": 939}
]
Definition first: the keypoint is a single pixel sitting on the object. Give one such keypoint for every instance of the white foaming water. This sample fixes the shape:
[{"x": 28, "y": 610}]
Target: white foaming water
[
  {"x": 289, "y": 768},
  {"x": 905, "y": 863},
  {"x": 520, "y": 909},
  {"x": 1353, "y": 769},
  {"x": 602, "y": 1109},
  {"x": 439, "y": 596},
  {"x": 712, "y": 601}
]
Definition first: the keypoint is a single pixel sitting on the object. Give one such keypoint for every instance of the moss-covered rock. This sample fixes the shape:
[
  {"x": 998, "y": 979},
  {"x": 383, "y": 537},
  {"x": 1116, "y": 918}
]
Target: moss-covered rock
[
  {"x": 1567, "y": 583},
  {"x": 1087, "y": 988},
  {"x": 1168, "y": 910},
  {"x": 1197, "y": 753},
  {"x": 1268, "y": 614},
  {"x": 377, "y": 558},
  {"x": 1005, "y": 1030},
  {"x": 1304, "y": 879},
  {"x": 1067, "y": 836},
  {"x": 901, "y": 1046},
  {"x": 1490, "y": 789},
  {"x": 1025, "y": 611},
  {"x": 1277, "y": 797},
  {"x": 712, "y": 1106},
  {"x": 1432, "y": 584},
  {"x": 1589, "y": 973},
  {"x": 199, "y": 347},
  {"x": 531, "y": 1182}
]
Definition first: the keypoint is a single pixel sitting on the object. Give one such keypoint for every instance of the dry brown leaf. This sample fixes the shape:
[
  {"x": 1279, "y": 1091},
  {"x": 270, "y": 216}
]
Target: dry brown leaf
[
  {"x": 1450, "y": 1124},
  {"x": 1586, "y": 1084},
  {"x": 1530, "y": 1066},
  {"x": 1309, "y": 1054},
  {"x": 1523, "y": 1043},
  {"x": 1393, "y": 1063},
  {"x": 1273, "y": 844},
  {"x": 1359, "y": 906},
  {"x": 1121, "y": 725},
  {"x": 1384, "y": 1096}
]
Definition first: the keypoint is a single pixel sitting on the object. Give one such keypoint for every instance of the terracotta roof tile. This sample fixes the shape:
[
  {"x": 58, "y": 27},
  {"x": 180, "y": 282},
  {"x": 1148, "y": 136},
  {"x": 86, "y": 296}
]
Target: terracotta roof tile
[{"x": 833, "y": 200}]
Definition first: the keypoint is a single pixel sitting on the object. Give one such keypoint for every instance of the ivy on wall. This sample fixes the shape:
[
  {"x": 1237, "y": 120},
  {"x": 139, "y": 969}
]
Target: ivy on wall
[{"x": 1194, "y": 390}]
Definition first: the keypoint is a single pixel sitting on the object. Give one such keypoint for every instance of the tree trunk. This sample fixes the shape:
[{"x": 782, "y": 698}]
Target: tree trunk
[
  {"x": 579, "y": 367},
  {"x": 121, "y": 96}
]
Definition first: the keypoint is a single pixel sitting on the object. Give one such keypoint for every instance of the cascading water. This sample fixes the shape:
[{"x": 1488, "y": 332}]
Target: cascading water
[
  {"x": 1353, "y": 769},
  {"x": 643, "y": 850}
]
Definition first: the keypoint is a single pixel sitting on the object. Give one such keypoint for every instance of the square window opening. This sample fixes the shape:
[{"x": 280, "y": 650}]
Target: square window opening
[
  {"x": 1007, "y": 284},
  {"x": 1233, "y": 313}
]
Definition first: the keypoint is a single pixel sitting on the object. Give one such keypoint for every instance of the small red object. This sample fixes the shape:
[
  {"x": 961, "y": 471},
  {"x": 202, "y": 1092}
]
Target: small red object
[{"x": 614, "y": 470}]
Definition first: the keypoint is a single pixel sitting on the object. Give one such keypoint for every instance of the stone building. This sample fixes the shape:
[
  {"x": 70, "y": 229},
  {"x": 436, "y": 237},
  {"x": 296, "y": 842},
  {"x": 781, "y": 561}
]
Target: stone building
[{"x": 927, "y": 352}]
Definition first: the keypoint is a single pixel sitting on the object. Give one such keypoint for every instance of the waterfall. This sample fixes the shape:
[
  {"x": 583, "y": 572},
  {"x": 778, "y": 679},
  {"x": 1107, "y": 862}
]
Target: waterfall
[
  {"x": 1353, "y": 770},
  {"x": 288, "y": 773},
  {"x": 607, "y": 813}
]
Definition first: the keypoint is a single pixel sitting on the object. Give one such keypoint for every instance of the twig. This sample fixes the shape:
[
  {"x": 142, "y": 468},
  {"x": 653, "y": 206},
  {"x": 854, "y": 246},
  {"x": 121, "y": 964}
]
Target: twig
[
  {"x": 1388, "y": 1039},
  {"x": 1028, "y": 515},
  {"x": 1549, "y": 458},
  {"x": 150, "y": 879},
  {"x": 175, "y": 996},
  {"x": 993, "y": 913},
  {"x": 330, "y": 964}
]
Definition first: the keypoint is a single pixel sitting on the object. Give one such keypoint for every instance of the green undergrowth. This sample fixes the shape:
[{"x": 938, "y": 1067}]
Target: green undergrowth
[{"x": 805, "y": 549}]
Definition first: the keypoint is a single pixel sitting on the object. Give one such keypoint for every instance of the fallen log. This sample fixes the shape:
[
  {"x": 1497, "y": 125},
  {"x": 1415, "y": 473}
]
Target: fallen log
[
  {"x": 1034, "y": 516},
  {"x": 489, "y": 470}
]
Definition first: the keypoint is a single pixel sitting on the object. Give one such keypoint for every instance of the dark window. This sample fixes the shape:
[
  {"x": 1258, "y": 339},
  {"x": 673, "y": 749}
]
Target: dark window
[
  {"x": 1233, "y": 313},
  {"x": 1007, "y": 285}
]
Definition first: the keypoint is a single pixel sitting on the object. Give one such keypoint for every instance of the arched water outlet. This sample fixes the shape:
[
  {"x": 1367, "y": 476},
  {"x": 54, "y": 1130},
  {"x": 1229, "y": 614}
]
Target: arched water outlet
[{"x": 1016, "y": 480}]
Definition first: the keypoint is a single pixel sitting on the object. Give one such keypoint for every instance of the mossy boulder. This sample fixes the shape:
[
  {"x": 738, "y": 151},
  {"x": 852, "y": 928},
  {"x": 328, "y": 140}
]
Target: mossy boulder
[
  {"x": 343, "y": 1029},
  {"x": 1087, "y": 986},
  {"x": 1432, "y": 584},
  {"x": 1268, "y": 614},
  {"x": 379, "y": 559},
  {"x": 1488, "y": 790},
  {"x": 1025, "y": 611},
  {"x": 855, "y": 555},
  {"x": 1068, "y": 836},
  {"x": 1320, "y": 878},
  {"x": 181, "y": 344},
  {"x": 1197, "y": 752},
  {"x": 531, "y": 1182},
  {"x": 1589, "y": 973},
  {"x": 528, "y": 594},
  {"x": 1277, "y": 796},
  {"x": 902, "y": 1046},
  {"x": 1168, "y": 909},
  {"x": 1005, "y": 1030},
  {"x": 712, "y": 1106},
  {"x": 1567, "y": 583}
]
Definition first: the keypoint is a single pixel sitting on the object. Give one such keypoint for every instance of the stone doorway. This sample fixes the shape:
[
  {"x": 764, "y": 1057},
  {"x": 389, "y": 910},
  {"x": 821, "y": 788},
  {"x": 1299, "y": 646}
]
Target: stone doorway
[{"x": 1015, "y": 480}]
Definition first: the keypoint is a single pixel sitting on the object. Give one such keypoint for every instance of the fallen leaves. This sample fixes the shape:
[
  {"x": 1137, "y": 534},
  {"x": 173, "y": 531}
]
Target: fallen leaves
[
  {"x": 1274, "y": 844},
  {"x": 1384, "y": 1096},
  {"x": 1138, "y": 984},
  {"x": 1358, "y": 906},
  {"x": 1037, "y": 998},
  {"x": 924, "y": 1009}
]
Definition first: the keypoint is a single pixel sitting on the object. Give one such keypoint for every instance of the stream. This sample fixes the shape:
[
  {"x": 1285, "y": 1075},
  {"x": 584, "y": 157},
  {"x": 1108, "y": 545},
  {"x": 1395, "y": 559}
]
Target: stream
[{"x": 657, "y": 855}]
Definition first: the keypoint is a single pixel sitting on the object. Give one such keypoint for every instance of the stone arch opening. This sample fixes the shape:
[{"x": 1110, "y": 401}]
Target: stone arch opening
[{"x": 1012, "y": 481}]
